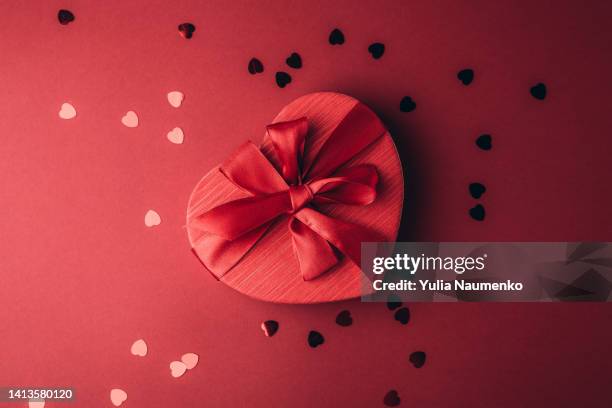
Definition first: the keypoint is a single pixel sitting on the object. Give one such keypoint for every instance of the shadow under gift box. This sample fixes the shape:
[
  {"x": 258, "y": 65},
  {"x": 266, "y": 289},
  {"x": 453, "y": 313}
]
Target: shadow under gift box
[{"x": 270, "y": 270}]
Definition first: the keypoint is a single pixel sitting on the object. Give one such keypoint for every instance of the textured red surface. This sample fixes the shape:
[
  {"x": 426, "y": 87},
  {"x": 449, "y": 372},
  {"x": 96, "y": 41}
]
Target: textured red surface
[{"x": 82, "y": 277}]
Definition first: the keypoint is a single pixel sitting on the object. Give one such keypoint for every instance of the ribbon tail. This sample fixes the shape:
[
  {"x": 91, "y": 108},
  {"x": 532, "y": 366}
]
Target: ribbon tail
[
  {"x": 220, "y": 255},
  {"x": 345, "y": 236},
  {"x": 315, "y": 255}
]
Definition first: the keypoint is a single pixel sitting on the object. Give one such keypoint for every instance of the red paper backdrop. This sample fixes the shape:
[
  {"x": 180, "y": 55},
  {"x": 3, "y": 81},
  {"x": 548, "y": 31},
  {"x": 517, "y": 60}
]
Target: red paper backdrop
[{"x": 82, "y": 277}]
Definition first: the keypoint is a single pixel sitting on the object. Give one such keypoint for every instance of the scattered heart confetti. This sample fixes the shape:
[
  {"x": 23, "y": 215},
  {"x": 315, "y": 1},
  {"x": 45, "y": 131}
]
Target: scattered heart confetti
[
  {"x": 477, "y": 212},
  {"x": 67, "y": 111},
  {"x": 477, "y": 189},
  {"x": 118, "y": 396},
  {"x": 269, "y": 327},
  {"x": 407, "y": 104},
  {"x": 466, "y": 76},
  {"x": 392, "y": 399},
  {"x": 152, "y": 218},
  {"x": 484, "y": 142},
  {"x": 538, "y": 91},
  {"x": 282, "y": 79},
  {"x": 177, "y": 368},
  {"x": 377, "y": 50},
  {"x": 130, "y": 119},
  {"x": 176, "y": 135},
  {"x": 139, "y": 348},
  {"x": 175, "y": 98},
  {"x": 315, "y": 339},
  {"x": 336, "y": 37},
  {"x": 344, "y": 318},
  {"x": 418, "y": 359},
  {"x": 294, "y": 60},
  {"x": 190, "y": 360},
  {"x": 65, "y": 16},
  {"x": 186, "y": 30},
  {"x": 255, "y": 66},
  {"x": 36, "y": 404},
  {"x": 402, "y": 315}
]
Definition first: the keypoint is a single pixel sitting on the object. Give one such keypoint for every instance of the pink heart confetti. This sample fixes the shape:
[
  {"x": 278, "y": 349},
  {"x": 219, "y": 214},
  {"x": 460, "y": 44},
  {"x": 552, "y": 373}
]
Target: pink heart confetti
[
  {"x": 152, "y": 218},
  {"x": 175, "y": 98},
  {"x": 176, "y": 135},
  {"x": 139, "y": 348},
  {"x": 130, "y": 119},
  {"x": 177, "y": 368},
  {"x": 190, "y": 360},
  {"x": 118, "y": 396},
  {"x": 67, "y": 111},
  {"x": 36, "y": 404}
]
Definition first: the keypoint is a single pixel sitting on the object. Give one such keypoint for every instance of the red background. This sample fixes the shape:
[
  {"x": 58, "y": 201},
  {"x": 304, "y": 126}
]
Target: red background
[{"x": 82, "y": 277}]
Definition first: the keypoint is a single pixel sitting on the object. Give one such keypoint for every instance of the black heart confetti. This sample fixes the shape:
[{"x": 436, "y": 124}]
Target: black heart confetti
[
  {"x": 65, "y": 16},
  {"x": 344, "y": 318},
  {"x": 255, "y": 66},
  {"x": 484, "y": 142},
  {"x": 282, "y": 79},
  {"x": 315, "y": 339},
  {"x": 270, "y": 327},
  {"x": 418, "y": 359},
  {"x": 377, "y": 50},
  {"x": 186, "y": 30},
  {"x": 294, "y": 60},
  {"x": 392, "y": 399},
  {"x": 466, "y": 76},
  {"x": 336, "y": 37},
  {"x": 402, "y": 315},
  {"x": 477, "y": 212},
  {"x": 538, "y": 91},
  {"x": 407, "y": 104},
  {"x": 477, "y": 189}
]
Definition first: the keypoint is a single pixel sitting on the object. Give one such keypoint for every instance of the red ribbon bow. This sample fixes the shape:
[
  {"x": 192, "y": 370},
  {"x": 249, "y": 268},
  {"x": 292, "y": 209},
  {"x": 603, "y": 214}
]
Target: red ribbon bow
[{"x": 306, "y": 177}]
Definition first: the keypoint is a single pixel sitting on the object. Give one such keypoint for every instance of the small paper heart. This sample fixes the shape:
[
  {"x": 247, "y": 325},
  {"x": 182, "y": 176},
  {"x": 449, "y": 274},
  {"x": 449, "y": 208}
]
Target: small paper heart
[
  {"x": 336, "y": 37},
  {"x": 418, "y": 359},
  {"x": 269, "y": 327},
  {"x": 477, "y": 190},
  {"x": 36, "y": 404},
  {"x": 139, "y": 348},
  {"x": 402, "y": 315},
  {"x": 152, "y": 218},
  {"x": 255, "y": 66},
  {"x": 175, "y": 98},
  {"x": 176, "y": 135},
  {"x": 392, "y": 399},
  {"x": 67, "y": 111},
  {"x": 344, "y": 318},
  {"x": 538, "y": 91},
  {"x": 130, "y": 119},
  {"x": 466, "y": 76},
  {"x": 315, "y": 339},
  {"x": 377, "y": 50},
  {"x": 186, "y": 30},
  {"x": 190, "y": 360},
  {"x": 282, "y": 79},
  {"x": 118, "y": 396},
  {"x": 177, "y": 368}
]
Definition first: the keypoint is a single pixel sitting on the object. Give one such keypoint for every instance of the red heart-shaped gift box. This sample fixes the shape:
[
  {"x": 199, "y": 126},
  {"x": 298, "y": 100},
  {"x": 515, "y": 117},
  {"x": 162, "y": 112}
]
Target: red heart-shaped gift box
[{"x": 270, "y": 269}]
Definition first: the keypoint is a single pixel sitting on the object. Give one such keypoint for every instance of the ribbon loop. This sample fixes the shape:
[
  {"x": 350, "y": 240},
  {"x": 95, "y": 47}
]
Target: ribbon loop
[{"x": 233, "y": 228}]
